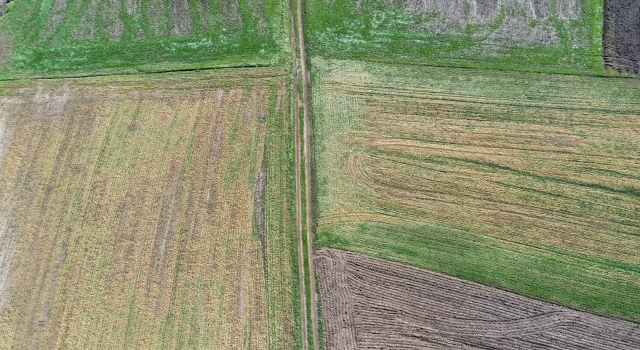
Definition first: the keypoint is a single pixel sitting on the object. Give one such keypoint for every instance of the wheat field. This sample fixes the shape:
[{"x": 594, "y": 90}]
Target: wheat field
[{"x": 146, "y": 213}]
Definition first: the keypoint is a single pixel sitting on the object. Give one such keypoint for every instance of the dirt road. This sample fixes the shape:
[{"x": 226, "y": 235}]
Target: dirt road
[
  {"x": 298, "y": 48},
  {"x": 301, "y": 270}
]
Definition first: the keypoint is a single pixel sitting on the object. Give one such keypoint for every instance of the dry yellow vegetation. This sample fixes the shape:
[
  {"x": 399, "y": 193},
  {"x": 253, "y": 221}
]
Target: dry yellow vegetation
[{"x": 133, "y": 212}]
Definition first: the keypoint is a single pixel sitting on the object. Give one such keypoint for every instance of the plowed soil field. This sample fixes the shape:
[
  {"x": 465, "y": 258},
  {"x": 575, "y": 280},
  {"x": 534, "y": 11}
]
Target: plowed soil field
[
  {"x": 621, "y": 39},
  {"x": 524, "y": 181},
  {"x": 375, "y": 304},
  {"x": 146, "y": 212}
]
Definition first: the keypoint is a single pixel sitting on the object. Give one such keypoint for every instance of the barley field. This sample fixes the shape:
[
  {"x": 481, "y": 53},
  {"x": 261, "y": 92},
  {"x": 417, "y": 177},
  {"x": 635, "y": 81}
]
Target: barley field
[{"x": 147, "y": 213}]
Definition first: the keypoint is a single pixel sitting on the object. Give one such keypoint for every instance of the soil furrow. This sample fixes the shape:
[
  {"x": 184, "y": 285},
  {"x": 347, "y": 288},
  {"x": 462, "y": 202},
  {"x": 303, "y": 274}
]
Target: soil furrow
[{"x": 398, "y": 307}]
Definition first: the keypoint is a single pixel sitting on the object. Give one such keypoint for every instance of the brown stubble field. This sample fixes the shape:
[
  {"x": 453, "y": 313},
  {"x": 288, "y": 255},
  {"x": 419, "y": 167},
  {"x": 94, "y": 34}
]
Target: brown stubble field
[
  {"x": 523, "y": 181},
  {"x": 147, "y": 212}
]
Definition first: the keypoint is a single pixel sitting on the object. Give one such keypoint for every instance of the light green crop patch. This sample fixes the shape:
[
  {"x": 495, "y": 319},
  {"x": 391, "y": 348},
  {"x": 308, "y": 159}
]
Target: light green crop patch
[
  {"x": 82, "y": 37},
  {"x": 553, "y": 36}
]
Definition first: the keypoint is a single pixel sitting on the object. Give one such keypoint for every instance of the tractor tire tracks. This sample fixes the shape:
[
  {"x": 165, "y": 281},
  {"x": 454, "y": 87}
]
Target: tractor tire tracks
[{"x": 301, "y": 77}]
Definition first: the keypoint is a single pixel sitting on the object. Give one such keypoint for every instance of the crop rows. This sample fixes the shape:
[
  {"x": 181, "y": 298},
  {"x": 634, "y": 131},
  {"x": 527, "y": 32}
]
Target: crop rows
[
  {"x": 147, "y": 216},
  {"x": 372, "y": 304},
  {"x": 560, "y": 36},
  {"x": 480, "y": 176},
  {"x": 77, "y": 37}
]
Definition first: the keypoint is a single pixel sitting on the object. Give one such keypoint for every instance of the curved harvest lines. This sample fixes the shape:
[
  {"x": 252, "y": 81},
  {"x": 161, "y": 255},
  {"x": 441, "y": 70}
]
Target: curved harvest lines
[
  {"x": 362, "y": 175},
  {"x": 403, "y": 190}
]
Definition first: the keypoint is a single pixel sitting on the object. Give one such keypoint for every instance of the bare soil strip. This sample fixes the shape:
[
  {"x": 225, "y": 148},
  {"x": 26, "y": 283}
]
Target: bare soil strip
[{"x": 373, "y": 304}]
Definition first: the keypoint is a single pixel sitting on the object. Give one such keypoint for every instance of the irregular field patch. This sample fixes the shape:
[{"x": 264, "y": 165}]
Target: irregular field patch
[
  {"x": 147, "y": 212},
  {"x": 375, "y": 304},
  {"x": 524, "y": 181}
]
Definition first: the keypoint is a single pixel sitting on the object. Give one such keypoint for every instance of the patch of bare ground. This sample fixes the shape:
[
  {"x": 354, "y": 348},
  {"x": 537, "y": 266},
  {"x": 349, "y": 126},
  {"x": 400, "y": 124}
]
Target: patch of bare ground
[
  {"x": 133, "y": 8},
  {"x": 87, "y": 27},
  {"x": 231, "y": 14},
  {"x": 375, "y": 304},
  {"x": 156, "y": 14},
  {"x": 8, "y": 108},
  {"x": 521, "y": 20},
  {"x": 180, "y": 18},
  {"x": 111, "y": 15},
  {"x": 57, "y": 15},
  {"x": 621, "y": 38},
  {"x": 259, "y": 210}
]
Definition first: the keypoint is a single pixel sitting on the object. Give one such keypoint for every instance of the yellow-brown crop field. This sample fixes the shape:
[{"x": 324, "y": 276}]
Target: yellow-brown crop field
[
  {"x": 146, "y": 212},
  {"x": 525, "y": 181}
]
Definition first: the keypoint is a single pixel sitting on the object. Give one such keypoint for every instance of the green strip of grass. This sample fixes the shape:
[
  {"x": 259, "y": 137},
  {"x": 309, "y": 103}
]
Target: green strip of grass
[{"x": 567, "y": 280}]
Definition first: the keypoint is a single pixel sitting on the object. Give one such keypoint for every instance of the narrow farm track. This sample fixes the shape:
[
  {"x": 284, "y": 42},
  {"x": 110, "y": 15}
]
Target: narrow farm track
[
  {"x": 301, "y": 270},
  {"x": 307, "y": 169},
  {"x": 303, "y": 78}
]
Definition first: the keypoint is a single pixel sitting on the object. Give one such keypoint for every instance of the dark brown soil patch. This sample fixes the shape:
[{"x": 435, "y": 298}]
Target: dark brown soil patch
[
  {"x": 375, "y": 304},
  {"x": 621, "y": 37}
]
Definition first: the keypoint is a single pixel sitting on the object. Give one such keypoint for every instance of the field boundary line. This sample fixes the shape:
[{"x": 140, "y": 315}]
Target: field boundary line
[
  {"x": 301, "y": 269},
  {"x": 308, "y": 175}
]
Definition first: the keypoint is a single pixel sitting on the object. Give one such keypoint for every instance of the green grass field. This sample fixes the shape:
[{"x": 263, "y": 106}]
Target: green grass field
[
  {"x": 147, "y": 212},
  {"x": 78, "y": 37},
  {"x": 525, "y": 181},
  {"x": 553, "y": 36}
]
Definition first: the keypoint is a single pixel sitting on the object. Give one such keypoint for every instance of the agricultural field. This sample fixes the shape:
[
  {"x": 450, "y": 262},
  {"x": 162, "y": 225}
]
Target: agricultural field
[
  {"x": 540, "y": 35},
  {"x": 147, "y": 212},
  {"x": 171, "y": 172},
  {"x": 376, "y": 304},
  {"x": 82, "y": 37},
  {"x": 524, "y": 181}
]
